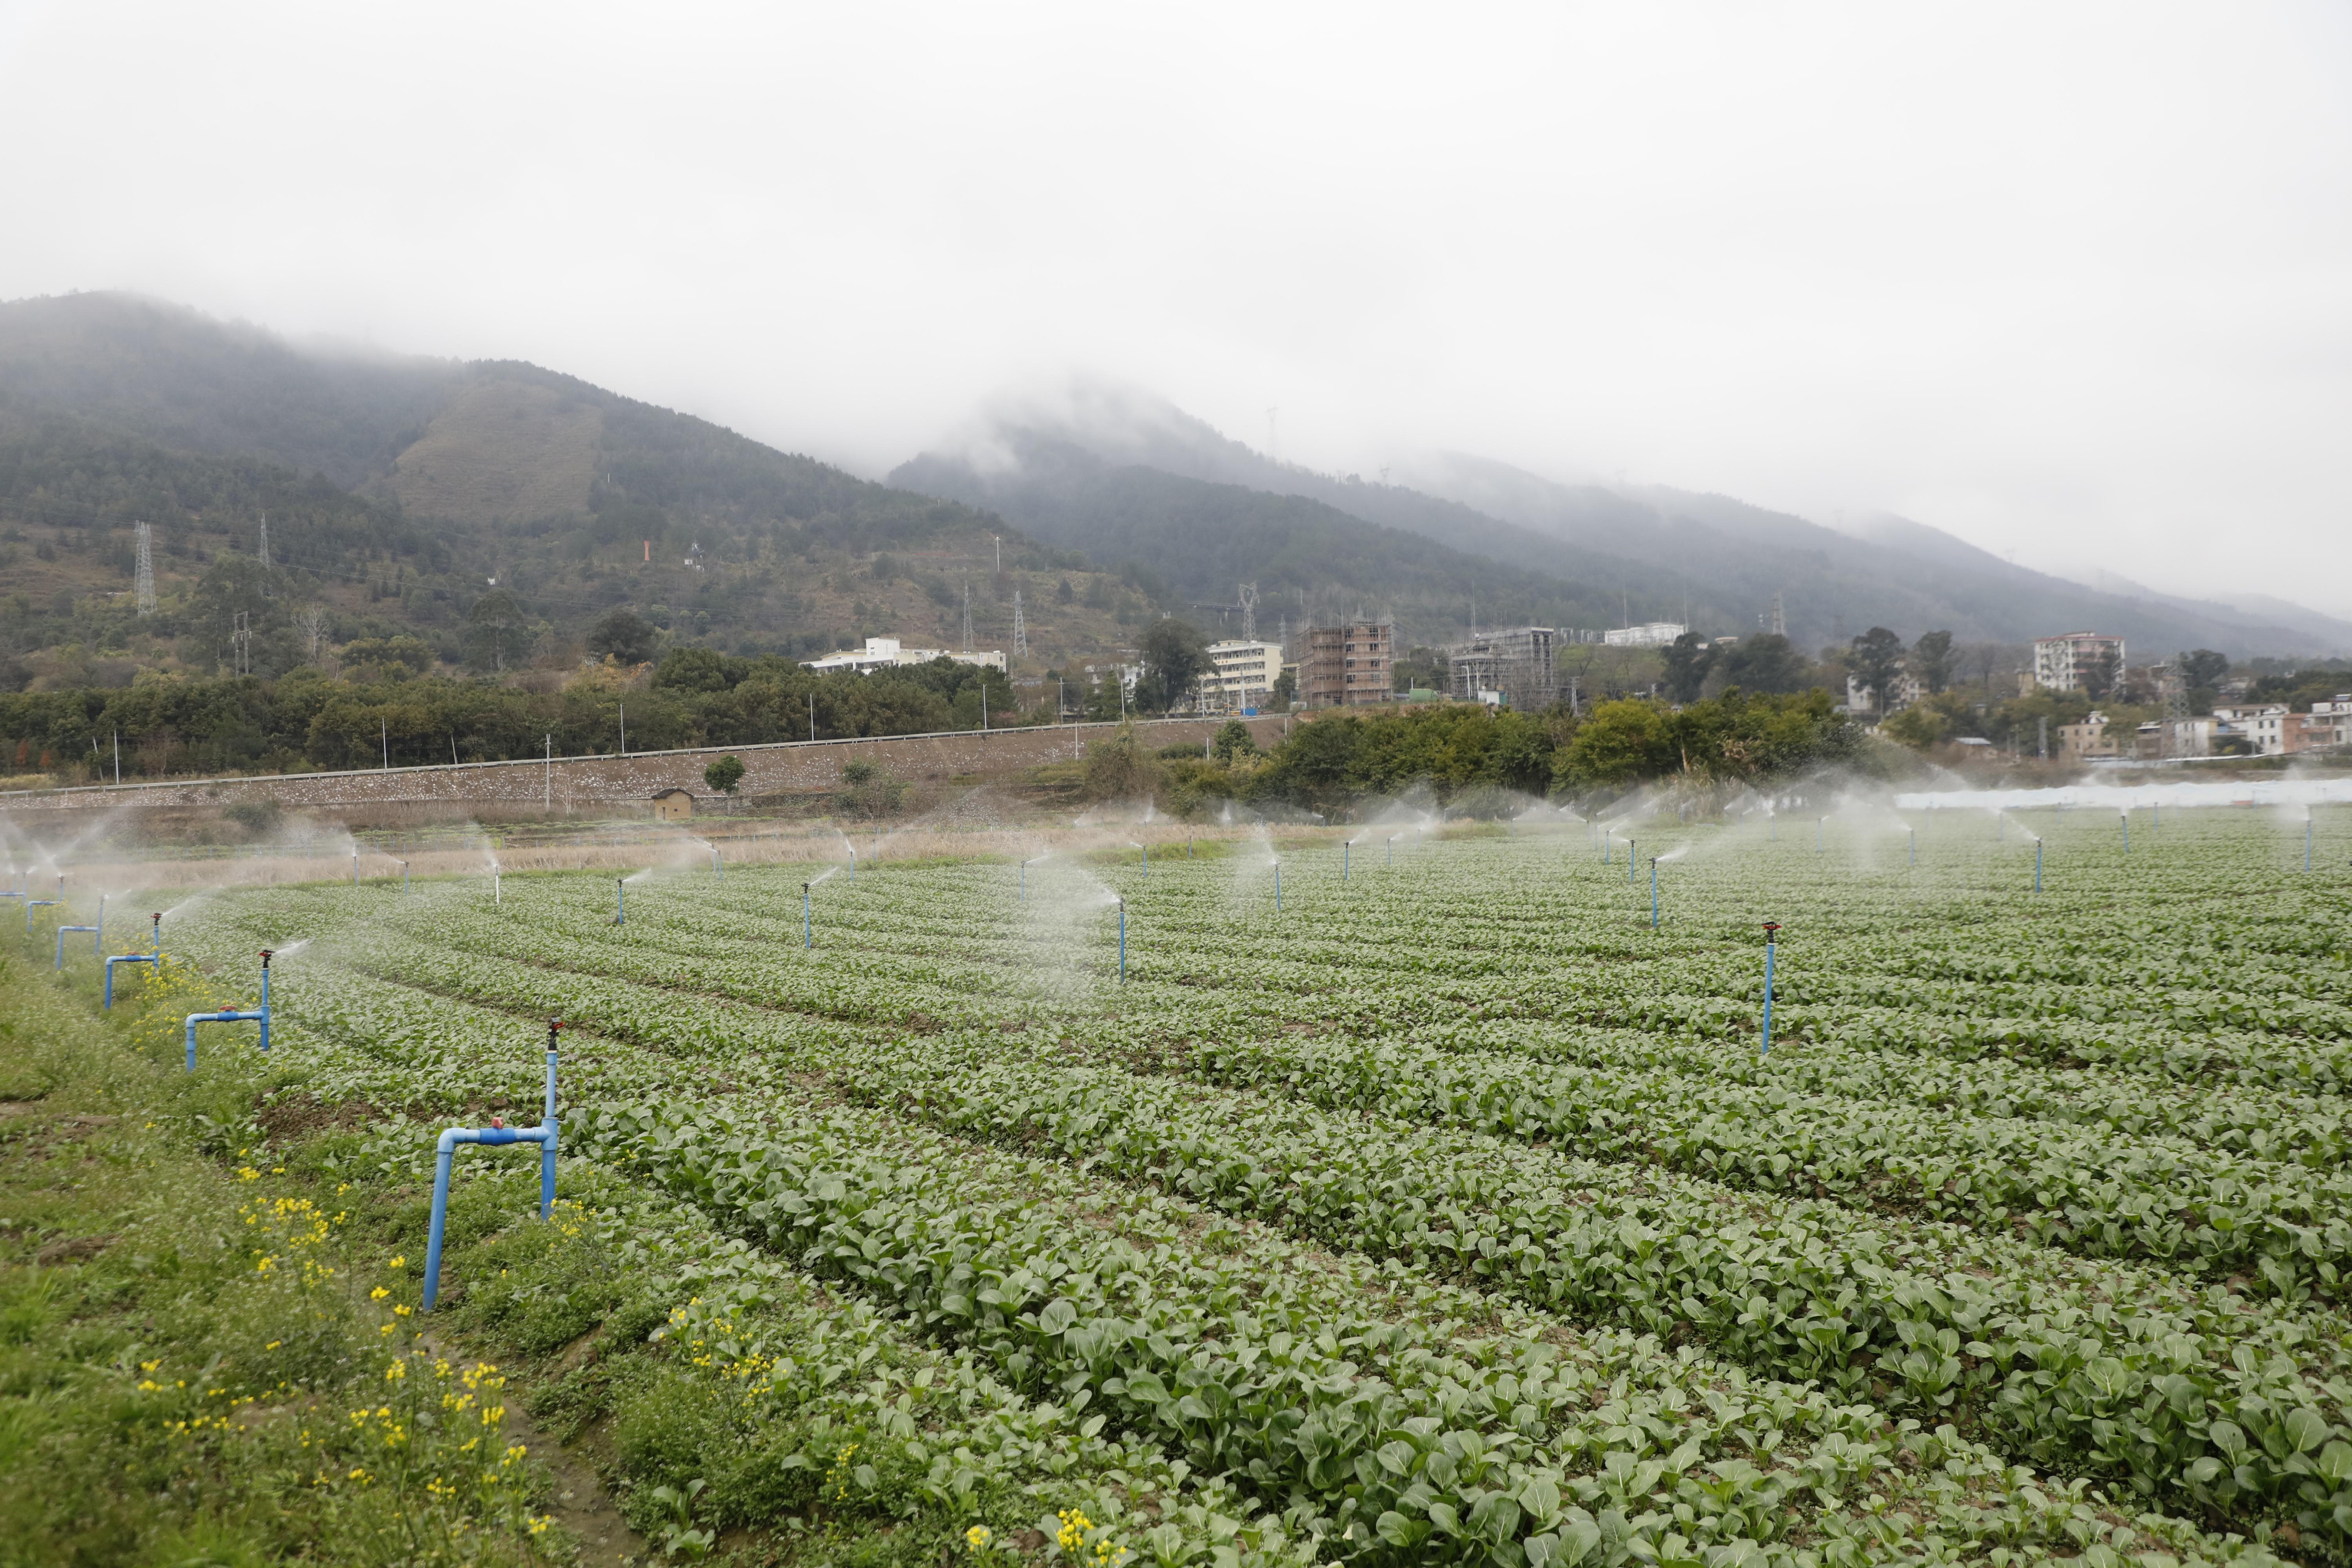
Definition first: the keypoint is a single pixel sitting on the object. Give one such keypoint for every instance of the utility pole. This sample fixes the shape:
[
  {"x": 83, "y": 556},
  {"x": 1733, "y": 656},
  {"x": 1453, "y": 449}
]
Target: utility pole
[
  {"x": 812, "y": 715},
  {"x": 998, "y": 540},
  {"x": 967, "y": 615},
  {"x": 548, "y": 775},
  {"x": 384, "y": 739},
  {"x": 625, "y": 729},
  {"x": 118, "y": 757}
]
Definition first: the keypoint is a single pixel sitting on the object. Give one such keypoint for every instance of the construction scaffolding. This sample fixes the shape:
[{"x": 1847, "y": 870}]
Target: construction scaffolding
[{"x": 1514, "y": 668}]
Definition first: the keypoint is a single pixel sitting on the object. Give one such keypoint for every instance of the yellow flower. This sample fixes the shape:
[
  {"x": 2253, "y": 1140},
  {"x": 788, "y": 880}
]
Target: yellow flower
[
  {"x": 378, "y": 1294},
  {"x": 978, "y": 1537}
]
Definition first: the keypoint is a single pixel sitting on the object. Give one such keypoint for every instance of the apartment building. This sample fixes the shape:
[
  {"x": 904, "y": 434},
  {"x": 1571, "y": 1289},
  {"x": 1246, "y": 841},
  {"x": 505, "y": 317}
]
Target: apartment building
[
  {"x": 1241, "y": 677},
  {"x": 2062, "y": 663}
]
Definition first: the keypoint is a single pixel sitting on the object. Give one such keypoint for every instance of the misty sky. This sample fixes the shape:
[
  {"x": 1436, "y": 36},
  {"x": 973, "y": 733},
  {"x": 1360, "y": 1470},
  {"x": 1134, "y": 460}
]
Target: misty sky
[{"x": 2073, "y": 281}]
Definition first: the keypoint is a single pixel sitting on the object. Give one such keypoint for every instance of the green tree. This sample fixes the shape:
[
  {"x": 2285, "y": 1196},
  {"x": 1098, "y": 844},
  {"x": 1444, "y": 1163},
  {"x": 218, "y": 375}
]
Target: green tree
[
  {"x": 1931, "y": 660},
  {"x": 698, "y": 669},
  {"x": 1175, "y": 655},
  {"x": 1876, "y": 658},
  {"x": 497, "y": 633},
  {"x": 1620, "y": 743},
  {"x": 622, "y": 636},
  {"x": 1687, "y": 661},
  {"x": 724, "y": 774},
  {"x": 1232, "y": 739},
  {"x": 1766, "y": 663}
]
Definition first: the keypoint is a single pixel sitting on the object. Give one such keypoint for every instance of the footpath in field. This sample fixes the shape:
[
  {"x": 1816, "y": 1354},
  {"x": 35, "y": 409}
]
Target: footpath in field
[{"x": 1449, "y": 1209}]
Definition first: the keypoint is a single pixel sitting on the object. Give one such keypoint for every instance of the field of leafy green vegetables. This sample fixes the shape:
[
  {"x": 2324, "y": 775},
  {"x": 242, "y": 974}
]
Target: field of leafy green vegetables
[{"x": 1449, "y": 1213}]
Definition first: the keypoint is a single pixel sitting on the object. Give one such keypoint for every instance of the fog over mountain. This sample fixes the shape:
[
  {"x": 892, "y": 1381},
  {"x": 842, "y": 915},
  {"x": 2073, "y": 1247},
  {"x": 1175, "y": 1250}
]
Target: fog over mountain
[
  {"x": 1119, "y": 471},
  {"x": 2066, "y": 283}
]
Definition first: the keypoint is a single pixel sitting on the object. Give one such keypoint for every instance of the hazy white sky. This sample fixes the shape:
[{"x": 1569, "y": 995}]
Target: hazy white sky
[{"x": 2073, "y": 281}]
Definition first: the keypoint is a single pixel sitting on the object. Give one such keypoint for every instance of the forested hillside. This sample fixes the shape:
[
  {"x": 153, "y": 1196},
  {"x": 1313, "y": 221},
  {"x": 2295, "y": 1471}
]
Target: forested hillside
[{"x": 493, "y": 512}]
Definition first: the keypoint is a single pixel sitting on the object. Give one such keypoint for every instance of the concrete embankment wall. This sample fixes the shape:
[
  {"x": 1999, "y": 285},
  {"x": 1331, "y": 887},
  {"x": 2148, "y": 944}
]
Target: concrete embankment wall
[{"x": 612, "y": 782}]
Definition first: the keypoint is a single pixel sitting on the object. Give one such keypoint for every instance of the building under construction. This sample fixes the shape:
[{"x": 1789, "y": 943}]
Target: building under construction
[
  {"x": 1349, "y": 666},
  {"x": 1514, "y": 667}
]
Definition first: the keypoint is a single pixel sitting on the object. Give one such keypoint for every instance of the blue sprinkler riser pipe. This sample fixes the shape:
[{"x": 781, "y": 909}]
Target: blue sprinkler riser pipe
[
  {"x": 2306, "y": 841},
  {"x": 1653, "y": 892},
  {"x": 620, "y": 901},
  {"x": 544, "y": 1135},
  {"x": 1347, "y": 854},
  {"x": 1915, "y": 847},
  {"x": 261, "y": 1016},
  {"x": 2037, "y": 866},
  {"x": 1765, "y": 1048},
  {"x": 61, "y": 941},
  {"x": 2126, "y": 821},
  {"x": 808, "y": 930},
  {"x": 1146, "y": 858},
  {"x": 404, "y": 876},
  {"x": 1122, "y": 941},
  {"x": 155, "y": 955},
  {"x": 32, "y": 904},
  {"x": 124, "y": 958},
  {"x": 1629, "y": 859},
  {"x": 1278, "y": 887}
]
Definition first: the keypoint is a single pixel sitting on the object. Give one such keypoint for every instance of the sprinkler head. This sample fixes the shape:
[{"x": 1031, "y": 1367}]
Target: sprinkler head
[
  {"x": 265, "y": 956},
  {"x": 1770, "y": 927},
  {"x": 554, "y": 1027}
]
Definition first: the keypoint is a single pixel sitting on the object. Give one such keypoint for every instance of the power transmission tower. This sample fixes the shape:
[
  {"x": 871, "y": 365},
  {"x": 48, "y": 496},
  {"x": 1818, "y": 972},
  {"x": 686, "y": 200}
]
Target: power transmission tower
[
  {"x": 1780, "y": 618},
  {"x": 145, "y": 576},
  {"x": 967, "y": 615},
  {"x": 240, "y": 640},
  {"x": 1248, "y": 596},
  {"x": 1020, "y": 629},
  {"x": 265, "y": 539},
  {"x": 2176, "y": 704}
]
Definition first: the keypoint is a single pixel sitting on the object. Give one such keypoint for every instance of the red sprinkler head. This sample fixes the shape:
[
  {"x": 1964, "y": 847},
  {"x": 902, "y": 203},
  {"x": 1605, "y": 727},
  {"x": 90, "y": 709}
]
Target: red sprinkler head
[
  {"x": 265, "y": 956},
  {"x": 1770, "y": 927}
]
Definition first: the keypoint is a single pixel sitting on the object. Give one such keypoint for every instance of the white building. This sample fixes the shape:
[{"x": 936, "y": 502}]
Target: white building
[
  {"x": 2262, "y": 725},
  {"x": 882, "y": 653},
  {"x": 2334, "y": 713},
  {"x": 2061, "y": 663},
  {"x": 1861, "y": 698},
  {"x": 1241, "y": 677},
  {"x": 1654, "y": 634}
]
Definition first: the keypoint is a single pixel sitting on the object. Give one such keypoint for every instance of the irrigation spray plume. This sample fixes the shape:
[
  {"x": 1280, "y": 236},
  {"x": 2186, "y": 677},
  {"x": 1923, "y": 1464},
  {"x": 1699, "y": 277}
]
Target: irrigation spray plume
[
  {"x": 259, "y": 1015},
  {"x": 495, "y": 1133},
  {"x": 1771, "y": 928},
  {"x": 155, "y": 955}
]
